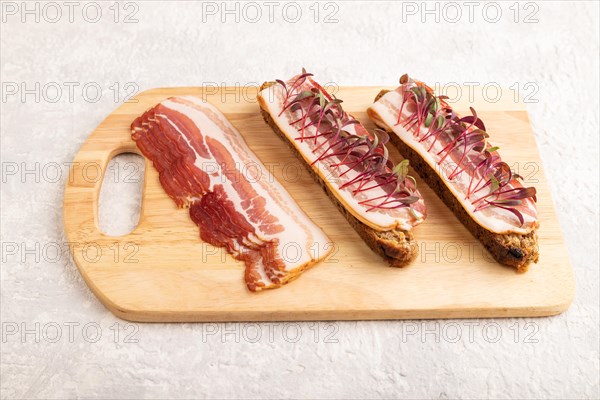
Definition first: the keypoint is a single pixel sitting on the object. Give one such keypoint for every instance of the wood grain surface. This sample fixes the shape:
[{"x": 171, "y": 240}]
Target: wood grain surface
[{"x": 163, "y": 272}]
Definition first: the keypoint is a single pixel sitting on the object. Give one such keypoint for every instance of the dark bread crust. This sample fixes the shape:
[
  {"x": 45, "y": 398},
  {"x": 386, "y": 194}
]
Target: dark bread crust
[
  {"x": 512, "y": 249},
  {"x": 396, "y": 246}
]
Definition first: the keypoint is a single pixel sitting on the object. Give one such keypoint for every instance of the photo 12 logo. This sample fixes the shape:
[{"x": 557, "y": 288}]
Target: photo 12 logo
[
  {"x": 469, "y": 331},
  {"x": 34, "y": 253},
  {"x": 237, "y": 92},
  {"x": 69, "y": 332},
  {"x": 290, "y": 252},
  {"x": 71, "y": 92},
  {"x": 470, "y": 11},
  {"x": 53, "y": 172},
  {"x": 270, "y": 332},
  {"x": 489, "y": 92},
  {"x": 53, "y": 12},
  {"x": 270, "y": 11}
]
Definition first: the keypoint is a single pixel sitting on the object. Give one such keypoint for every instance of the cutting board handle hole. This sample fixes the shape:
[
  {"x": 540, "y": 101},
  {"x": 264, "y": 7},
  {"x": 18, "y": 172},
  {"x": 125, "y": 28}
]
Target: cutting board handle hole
[{"x": 120, "y": 199}]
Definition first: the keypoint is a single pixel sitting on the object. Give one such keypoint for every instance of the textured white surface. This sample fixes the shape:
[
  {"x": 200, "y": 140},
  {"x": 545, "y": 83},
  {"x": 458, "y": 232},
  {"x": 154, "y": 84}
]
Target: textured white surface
[{"x": 171, "y": 45}]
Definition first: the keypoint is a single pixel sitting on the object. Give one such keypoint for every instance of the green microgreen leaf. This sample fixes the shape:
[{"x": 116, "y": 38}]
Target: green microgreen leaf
[
  {"x": 495, "y": 184},
  {"x": 401, "y": 169},
  {"x": 428, "y": 120}
]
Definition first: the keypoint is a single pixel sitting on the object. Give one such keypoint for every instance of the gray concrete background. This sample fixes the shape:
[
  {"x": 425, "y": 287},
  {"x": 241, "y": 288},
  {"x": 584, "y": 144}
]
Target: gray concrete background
[{"x": 553, "y": 47}]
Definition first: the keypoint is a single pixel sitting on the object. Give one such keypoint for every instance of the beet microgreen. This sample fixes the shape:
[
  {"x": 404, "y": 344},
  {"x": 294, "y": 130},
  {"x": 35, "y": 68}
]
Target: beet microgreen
[
  {"x": 339, "y": 141},
  {"x": 430, "y": 118}
]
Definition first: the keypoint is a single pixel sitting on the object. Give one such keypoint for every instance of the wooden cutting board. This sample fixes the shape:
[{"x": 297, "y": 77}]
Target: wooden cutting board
[{"x": 163, "y": 272}]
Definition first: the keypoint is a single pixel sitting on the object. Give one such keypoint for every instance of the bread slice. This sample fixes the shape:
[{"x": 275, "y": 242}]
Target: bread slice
[
  {"x": 512, "y": 249},
  {"x": 396, "y": 246}
]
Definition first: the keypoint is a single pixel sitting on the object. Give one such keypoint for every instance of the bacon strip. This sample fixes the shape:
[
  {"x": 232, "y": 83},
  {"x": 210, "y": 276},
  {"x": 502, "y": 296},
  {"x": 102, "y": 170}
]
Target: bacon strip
[{"x": 205, "y": 165}]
